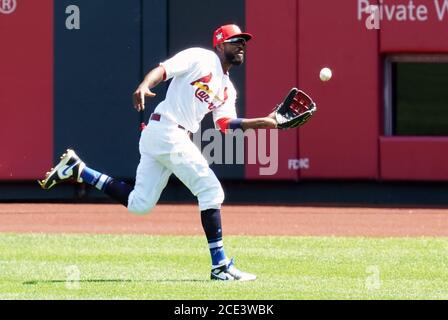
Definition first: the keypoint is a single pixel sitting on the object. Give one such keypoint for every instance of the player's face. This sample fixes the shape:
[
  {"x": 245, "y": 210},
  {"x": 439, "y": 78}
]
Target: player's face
[{"x": 234, "y": 51}]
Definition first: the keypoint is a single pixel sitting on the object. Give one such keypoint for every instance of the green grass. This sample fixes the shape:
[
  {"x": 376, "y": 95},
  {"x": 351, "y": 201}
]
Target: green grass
[{"x": 161, "y": 267}]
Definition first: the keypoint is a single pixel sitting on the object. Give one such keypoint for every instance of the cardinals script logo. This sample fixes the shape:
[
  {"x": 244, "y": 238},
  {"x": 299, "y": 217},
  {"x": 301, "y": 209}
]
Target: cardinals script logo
[
  {"x": 204, "y": 94},
  {"x": 8, "y": 6}
]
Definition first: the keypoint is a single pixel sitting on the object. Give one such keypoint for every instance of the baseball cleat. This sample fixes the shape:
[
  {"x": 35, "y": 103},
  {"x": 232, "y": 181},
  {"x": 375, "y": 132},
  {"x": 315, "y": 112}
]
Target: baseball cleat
[
  {"x": 228, "y": 272},
  {"x": 69, "y": 168}
]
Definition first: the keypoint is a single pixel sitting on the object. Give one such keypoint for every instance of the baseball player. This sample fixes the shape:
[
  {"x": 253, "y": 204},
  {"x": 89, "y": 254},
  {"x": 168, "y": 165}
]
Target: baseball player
[{"x": 200, "y": 84}]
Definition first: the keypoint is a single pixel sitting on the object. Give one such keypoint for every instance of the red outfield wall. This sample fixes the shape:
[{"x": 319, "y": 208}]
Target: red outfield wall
[
  {"x": 26, "y": 130},
  {"x": 341, "y": 141},
  {"x": 293, "y": 40},
  {"x": 271, "y": 69},
  {"x": 345, "y": 137},
  {"x": 415, "y": 158},
  {"x": 424, "y": 32}
]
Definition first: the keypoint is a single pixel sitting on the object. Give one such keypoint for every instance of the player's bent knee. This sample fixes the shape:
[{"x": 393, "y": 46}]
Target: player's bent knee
[
  {"x": 141, "y": 204},
  {"x": 139, "y": 211},
  {"x": 212, "y": 198},
  {"x": 139, "y": 207}
]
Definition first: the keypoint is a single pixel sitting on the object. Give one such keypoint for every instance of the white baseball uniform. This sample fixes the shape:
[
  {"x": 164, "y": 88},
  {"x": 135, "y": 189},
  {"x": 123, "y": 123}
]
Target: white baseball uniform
[{"x": 198, "y": 86}]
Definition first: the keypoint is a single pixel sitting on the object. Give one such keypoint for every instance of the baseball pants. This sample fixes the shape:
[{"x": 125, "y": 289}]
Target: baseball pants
[{"x": 165, "y": 149}]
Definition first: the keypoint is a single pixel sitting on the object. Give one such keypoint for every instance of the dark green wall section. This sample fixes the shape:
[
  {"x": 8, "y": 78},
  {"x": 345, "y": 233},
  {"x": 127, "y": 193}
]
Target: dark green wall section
[
  {"x": 154, "y": 41},
  {"x": 97, "y": 68},
  {"x": 191, "y": 23}
]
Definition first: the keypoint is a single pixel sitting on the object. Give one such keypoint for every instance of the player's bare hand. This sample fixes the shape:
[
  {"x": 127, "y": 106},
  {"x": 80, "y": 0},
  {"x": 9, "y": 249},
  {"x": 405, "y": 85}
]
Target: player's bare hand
[
  {"x": 139, "y": 97},
  {"x": 259, "y": 123}
]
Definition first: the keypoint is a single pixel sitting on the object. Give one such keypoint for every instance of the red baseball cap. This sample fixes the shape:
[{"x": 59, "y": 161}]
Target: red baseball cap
[{"x": 228, "y": 31}]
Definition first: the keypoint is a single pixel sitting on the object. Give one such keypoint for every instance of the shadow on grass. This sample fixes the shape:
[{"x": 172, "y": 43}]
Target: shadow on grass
[{"x": 36, "y": 282}]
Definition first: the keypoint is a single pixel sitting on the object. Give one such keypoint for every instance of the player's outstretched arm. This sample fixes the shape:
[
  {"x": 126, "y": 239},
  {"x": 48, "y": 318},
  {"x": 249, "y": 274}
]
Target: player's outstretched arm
[
  {"x": 268, "y": 122},
  {"x": 152, "y": 79},
  {"x": 259, "y": 123}
]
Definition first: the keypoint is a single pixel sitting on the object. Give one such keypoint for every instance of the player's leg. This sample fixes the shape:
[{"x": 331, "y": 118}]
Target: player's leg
[
  {"x": 72, "y": 168},
  {"x": 188, "y": 164},
  {"x": 151, "y": 179}
]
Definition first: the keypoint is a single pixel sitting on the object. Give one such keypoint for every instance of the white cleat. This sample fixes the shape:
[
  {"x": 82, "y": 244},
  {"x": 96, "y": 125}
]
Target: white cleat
[
  {"x": 228, "y": 272},
  {"x": 69, "y": 168}
]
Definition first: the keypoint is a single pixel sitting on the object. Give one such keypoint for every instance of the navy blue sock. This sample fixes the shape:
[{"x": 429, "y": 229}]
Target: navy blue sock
[
  {"x": 94, "y": 178},
  {"x": 211, "y": 222},
  {"x": 117, "y": 190}
]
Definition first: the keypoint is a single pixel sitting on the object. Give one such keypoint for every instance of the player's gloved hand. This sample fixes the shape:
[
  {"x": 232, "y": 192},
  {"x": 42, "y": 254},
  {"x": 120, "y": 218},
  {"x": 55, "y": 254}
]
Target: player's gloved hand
[
  {"x": 295, "y": 110},
  {"x": 139, "y": 97}
]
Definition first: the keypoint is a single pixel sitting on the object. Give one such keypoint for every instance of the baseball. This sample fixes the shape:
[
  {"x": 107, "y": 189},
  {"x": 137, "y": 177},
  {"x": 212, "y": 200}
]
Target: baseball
[{"x": 325, "y": 74}]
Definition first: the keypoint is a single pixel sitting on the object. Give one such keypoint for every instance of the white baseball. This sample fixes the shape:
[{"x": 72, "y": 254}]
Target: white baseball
[{"x": 325, "y": 74}]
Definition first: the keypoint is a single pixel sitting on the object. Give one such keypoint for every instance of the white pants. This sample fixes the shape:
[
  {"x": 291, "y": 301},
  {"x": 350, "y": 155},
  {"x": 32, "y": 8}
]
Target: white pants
[{"x": 164, "y": 149}]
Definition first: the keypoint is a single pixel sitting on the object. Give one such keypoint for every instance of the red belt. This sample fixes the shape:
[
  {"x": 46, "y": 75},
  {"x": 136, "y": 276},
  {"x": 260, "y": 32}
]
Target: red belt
[{"x": 157, "y": 117}]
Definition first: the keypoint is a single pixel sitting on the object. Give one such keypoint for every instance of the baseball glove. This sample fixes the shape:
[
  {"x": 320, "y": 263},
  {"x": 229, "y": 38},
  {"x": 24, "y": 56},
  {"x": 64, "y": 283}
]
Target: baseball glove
[{"x": 295, "y": 110}]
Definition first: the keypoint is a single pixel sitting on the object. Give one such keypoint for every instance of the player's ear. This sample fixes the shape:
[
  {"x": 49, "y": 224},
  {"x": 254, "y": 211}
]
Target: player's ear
[{"x": 219, "y": 48}]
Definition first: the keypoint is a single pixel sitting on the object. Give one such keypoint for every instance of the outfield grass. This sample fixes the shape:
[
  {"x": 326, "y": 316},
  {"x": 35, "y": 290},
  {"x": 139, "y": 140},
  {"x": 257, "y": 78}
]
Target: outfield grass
[{"x": 161, "y": 267}]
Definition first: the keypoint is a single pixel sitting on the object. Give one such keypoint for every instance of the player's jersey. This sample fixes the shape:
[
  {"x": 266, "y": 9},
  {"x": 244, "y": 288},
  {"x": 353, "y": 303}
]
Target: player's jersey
[{"x": 199, "y": 86}]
